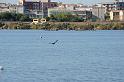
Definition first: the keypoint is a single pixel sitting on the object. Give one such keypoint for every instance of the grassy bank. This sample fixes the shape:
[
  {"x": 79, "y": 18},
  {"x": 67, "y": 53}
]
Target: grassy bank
[{"x": 63, "y": 26}]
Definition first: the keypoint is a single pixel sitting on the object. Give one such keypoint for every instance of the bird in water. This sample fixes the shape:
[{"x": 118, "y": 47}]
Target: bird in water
[
  {"x": 54, "y": 42},
  {"x": 1, "y": 68}
]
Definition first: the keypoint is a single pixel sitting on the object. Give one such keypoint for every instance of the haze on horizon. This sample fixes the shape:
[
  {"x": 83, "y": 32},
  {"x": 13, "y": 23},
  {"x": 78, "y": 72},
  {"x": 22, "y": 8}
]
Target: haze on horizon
[{"x": 87, "y": 2}]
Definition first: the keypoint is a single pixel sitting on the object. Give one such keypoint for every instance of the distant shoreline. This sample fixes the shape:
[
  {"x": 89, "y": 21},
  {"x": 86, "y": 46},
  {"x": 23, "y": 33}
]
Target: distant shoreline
[{"x": 100, "y": 25}]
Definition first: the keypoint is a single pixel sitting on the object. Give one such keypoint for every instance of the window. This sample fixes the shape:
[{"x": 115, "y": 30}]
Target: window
[{"x": 116, "y": 13}]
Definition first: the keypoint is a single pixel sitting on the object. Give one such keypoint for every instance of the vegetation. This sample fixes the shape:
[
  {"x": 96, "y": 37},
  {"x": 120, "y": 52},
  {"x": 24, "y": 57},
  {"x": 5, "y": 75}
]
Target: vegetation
[
  {"x": 6, "y": 16},
  {"x": 107, "y": 16},
  {"x": 65, "y": 17},
  {"x": 1, "y": 24},
  {"x": 63, "y": 26}
]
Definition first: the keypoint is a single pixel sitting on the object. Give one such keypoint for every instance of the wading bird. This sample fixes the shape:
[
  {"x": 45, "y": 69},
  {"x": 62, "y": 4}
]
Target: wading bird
[
  {"x": 54, "y": 42},
  {"x": 1, "y": 68}
]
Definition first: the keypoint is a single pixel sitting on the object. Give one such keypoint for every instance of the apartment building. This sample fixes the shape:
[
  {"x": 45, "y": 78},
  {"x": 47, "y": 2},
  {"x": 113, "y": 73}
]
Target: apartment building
[
  {"x": 98, "y": 12},
  {"x": 117, "y": 15},
  {"x": 8, "y": 7},
  {"x": 36, "y": 9},
  {"x": 116, "y": 5}
]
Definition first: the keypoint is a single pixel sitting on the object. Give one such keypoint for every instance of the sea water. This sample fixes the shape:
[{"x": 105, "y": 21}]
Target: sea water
[{"x": 78, "y": 56}]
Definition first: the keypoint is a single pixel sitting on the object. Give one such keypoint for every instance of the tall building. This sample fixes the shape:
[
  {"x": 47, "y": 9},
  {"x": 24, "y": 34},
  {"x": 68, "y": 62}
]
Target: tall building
[
  {"x": 36, "y": 8},
  {"x": 98, "y": 12}
]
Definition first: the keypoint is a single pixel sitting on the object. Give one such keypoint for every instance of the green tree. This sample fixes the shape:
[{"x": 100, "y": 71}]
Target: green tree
[
  {"x": 13, "y": 16},
  {"x": 66, "y": 17},
  {"x": 24, "y": 18},
  {"x": 107, "y": 16},
  {"x": 18, "y": 16},
  {"x": 6, "y": 16}
]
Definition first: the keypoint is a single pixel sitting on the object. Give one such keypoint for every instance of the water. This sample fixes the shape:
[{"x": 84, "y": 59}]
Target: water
[{"x": 78, "y": 56}]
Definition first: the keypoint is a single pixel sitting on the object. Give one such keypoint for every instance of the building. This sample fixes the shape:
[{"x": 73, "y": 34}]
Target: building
[
  {"x": 36, "y": 9},
  {"x": 8, "y": 7},
  {"x": 98, "y": 12},
  {"x": 4, "y": 7},
  {"x": 87, "y": 8},
  {"x": 22, "y": 1},
  {"x": 80, "y": 10},
  {"x": 68, "y": 6},
  {"x": 75, "y": 6},
  {"x": 116, "y": 5},
  {"x": 117, "y": 15},
  {"x": 33, "y": 9},
  {"x": 20, "y": 9},
  {"x": 42, "y": 0},
  {"x": 86, "y": 15},
  {"x": 13, "y": 8}
]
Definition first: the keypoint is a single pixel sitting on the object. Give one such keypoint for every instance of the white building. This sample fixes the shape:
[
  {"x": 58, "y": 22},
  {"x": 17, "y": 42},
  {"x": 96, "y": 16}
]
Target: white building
[
  {"x": 117, "y": 15},
  {"x": 20, "y": 9},
  {"x": 8, "y": 7},
  {"x": 84, "y": 8},
  {"x": 99, "y": 12},
  {"x": 4, "y": 7}
]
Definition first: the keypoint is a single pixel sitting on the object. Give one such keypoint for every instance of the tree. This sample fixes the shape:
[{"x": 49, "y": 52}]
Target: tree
[
  {"x": 18, "y": 16},
  {"x": 107, "y": 16},
  {"x": 13, "y": 16},
  {"x": 24, "y": 18},
  {"x": 66, "y": 17},
  {"x": 6, "y": 16}
]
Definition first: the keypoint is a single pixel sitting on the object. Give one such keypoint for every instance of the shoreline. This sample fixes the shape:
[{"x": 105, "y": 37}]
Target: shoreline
[{"x": 78, "y": 26}]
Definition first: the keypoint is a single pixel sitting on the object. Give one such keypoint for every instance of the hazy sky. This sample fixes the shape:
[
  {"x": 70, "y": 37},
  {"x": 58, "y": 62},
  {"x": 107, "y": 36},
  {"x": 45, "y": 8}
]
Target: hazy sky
[{"x": 64, "y": 1}]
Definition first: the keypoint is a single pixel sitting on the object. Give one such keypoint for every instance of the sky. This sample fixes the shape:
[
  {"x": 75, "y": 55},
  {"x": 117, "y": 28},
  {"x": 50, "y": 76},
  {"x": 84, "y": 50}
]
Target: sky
[{"x": 87, "y": 2}]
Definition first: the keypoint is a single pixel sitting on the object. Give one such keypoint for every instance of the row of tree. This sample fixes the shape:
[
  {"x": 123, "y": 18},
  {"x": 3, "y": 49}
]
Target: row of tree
[
  {"x": 62, "y": 17},
  {"x": 63, "y": 26},
  {"x": 65, "y": 17},
  {"x": 7, "y": 16}
]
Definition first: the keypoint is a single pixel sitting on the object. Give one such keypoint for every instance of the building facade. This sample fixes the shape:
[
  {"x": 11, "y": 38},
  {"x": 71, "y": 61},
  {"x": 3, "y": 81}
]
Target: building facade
[
  {"x": 42, "y": 0},
  {"x": 98, "y": 12},
  {"x": 20, "y": 9},
  {"x": 116, "y": 5},
  {"x": 36, "y": 9},
  {"x": 4, "y": 7},
  {"x": 8, "y": 8},
  {"x": 117, "y": 15},
  {"x": 23, "y": 1},
  {"x": 86, "y": 15}
]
